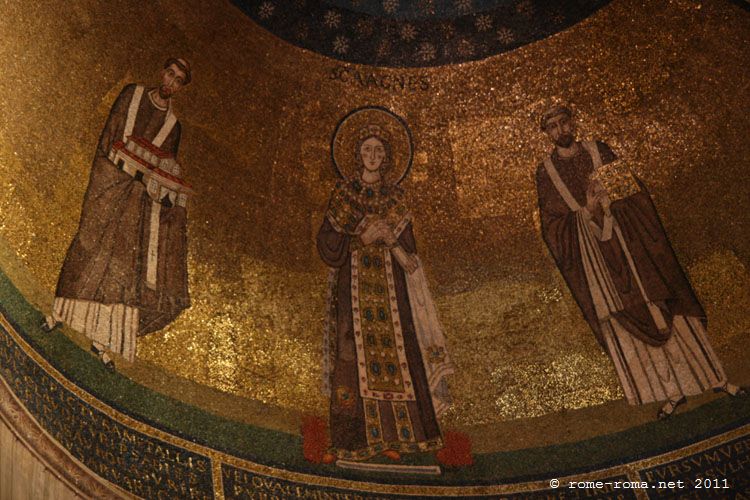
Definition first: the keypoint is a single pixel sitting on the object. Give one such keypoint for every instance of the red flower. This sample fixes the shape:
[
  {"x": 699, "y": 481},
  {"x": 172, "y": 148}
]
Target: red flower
[
  {"x": 457, "y": 450},
  {"x": 314, "y": 438}
]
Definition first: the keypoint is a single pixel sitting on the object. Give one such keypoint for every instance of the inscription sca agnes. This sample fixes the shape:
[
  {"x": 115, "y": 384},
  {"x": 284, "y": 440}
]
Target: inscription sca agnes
[
  {"x": 369, "y": 79},
  {"x": 144, "y": 466}
]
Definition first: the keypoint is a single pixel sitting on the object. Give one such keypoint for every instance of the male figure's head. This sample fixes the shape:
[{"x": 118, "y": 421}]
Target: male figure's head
[
  {"x": 175, "y": 75},
  {"x": 557, "y": 122}
]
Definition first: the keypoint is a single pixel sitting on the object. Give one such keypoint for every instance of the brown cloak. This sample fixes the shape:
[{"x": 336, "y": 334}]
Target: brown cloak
[
  {"x": 663, "y": 279},
  {"x": 106, "y": 262}
]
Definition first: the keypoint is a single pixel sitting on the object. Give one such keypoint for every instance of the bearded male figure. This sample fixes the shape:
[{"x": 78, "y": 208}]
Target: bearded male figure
[
  {"x": 125, "y": 273},
  {"x": 620, "y": 267}
]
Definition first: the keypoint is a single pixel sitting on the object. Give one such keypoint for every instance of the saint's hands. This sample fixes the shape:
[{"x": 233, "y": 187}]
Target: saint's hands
[
  {"x": 388, "y": 236},
  {"x": 378, "y": 230},
  {"x": 592, "y": 195},
  {"x": 369, "y": 234},
  {"x": 596, "y": 194}
]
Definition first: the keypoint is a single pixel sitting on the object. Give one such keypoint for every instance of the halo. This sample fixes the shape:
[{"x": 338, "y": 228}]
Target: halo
[{"x": 347, "y": 135}]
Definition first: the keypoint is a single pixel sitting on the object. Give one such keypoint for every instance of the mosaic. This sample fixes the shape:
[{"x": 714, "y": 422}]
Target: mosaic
[
  {"x": 140, "y": 464},
  {"x": 254, "y": 325},
  {"x": 148, "y": 462},
  {"x": 415, "y": 32},
  {"x": 377, "y": 239}
]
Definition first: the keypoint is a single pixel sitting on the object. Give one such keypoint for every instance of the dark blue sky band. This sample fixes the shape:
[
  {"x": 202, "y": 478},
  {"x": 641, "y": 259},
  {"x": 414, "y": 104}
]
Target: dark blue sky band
[{"x": 411, "y": 33}]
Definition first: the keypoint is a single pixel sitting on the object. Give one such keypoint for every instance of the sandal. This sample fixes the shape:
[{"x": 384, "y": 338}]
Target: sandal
[
  {"x": 46, "y": 328},
  {"x": 100, "y": 353},
  {"x": 663, "y": 414},
  {"x": 738, "y": 389}
]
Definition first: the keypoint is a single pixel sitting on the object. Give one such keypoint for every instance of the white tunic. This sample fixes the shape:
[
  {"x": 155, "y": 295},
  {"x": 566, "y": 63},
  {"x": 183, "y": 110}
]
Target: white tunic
[
  {"x": 115, "y": 326},
  {"x": 684, "y": 365}
]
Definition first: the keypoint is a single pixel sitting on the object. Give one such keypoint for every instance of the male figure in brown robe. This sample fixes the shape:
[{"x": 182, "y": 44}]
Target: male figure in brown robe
[
  {"x": 102, "y": 290},
  {"x": 622, "y": 271}
]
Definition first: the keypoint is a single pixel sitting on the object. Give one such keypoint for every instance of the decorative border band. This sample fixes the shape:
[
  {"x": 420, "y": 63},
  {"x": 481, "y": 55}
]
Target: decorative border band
[{"x": 85, "y": 439}]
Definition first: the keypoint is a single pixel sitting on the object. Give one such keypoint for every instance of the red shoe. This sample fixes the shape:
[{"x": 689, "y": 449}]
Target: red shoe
[{"x": 392, "y": 454}]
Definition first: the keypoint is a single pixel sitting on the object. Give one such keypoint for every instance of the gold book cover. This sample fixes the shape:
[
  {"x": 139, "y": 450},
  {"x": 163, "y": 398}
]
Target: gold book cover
[{"x": 617, "y": 179}]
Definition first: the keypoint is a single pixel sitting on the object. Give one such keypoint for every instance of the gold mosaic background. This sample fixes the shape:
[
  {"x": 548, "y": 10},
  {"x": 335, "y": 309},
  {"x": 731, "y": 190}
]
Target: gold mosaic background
[{"x": 664, "y": 83}]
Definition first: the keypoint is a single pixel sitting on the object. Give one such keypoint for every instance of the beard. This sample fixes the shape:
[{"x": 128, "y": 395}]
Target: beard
[
  {"x": 565, "y": 140},
  {"x": 165, "y": 92}
]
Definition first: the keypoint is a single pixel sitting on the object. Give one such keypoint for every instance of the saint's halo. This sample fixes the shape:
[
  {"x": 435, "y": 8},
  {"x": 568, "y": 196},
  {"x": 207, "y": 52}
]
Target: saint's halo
[{"x": 346, "y": 138}]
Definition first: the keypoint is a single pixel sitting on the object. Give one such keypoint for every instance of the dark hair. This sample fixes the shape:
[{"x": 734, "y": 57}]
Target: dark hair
[
  {"x": 552, "y": 112},
  {"x": 183, "y": 65},
  {"x": 387, "y": 161}
]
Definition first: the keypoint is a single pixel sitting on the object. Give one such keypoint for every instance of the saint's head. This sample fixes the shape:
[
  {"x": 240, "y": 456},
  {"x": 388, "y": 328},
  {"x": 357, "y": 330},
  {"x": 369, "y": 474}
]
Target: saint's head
[
  {"x": 557, "y": 122},
  {"x": 373, "y": 152},
  {"x": 175, "y": 75}
]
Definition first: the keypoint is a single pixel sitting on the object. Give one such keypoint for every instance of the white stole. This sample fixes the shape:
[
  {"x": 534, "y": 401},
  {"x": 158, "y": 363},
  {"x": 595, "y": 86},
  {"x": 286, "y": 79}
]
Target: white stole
[
  {"x": 169, "y": 122},
  {"x": 437, "y": 362},
  {"x": 430, "y": 335},
  {"x": 603, "y": 292}
]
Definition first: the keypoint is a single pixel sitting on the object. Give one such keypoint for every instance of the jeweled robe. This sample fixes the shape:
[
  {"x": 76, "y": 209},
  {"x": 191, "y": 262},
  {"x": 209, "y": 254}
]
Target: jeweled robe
[
  {"x": 623, "y": 273},
  {"x": 102, "y": 288},
  {"x": 381, "y": 397}
]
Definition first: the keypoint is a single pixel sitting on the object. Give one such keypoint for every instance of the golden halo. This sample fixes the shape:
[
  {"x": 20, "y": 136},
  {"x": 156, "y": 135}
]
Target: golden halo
[{"x": 361, "y": 122}]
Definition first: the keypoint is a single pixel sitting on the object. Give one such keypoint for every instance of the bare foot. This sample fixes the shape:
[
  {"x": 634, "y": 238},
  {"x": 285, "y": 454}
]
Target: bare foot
[{"x": 329, "y": 458}]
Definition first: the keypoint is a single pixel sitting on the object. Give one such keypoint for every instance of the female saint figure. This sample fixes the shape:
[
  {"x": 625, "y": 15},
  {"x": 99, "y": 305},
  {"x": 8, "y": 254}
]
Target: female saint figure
[{"x": 385, "y": 354}]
